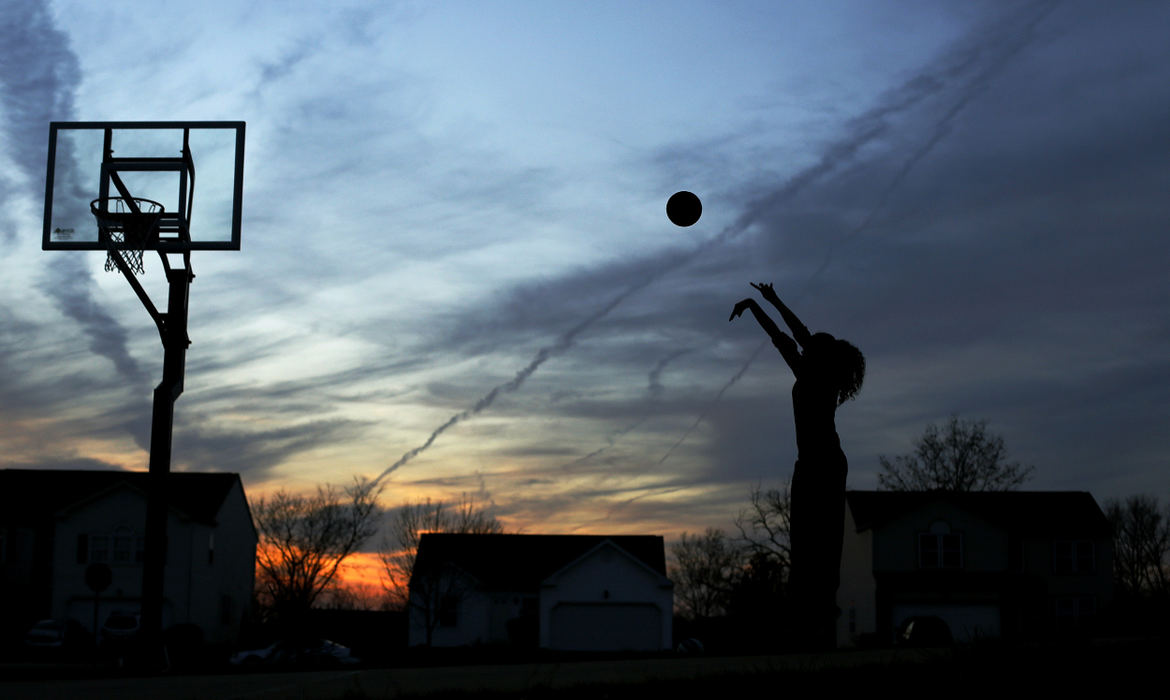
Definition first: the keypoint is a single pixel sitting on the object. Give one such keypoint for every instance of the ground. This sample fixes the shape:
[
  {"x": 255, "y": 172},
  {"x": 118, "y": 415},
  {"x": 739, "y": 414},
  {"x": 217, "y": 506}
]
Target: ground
[{"x": 1117, "y": 666}]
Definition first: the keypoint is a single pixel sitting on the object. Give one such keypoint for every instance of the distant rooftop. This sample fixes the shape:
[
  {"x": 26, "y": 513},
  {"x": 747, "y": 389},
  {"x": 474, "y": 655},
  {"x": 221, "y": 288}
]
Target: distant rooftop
[
  {"x": 1065, "y": 513},
  {"x": 521, "y": 562},
  {"x": 28, "y": 494}
]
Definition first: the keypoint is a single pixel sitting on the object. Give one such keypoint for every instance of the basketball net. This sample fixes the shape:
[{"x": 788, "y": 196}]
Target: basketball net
[{"x": 126, "y": 226}]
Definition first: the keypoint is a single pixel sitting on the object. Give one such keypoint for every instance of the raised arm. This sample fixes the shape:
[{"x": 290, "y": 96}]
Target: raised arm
[
  {"x": 799, "y": 331},
  {"x": 783, "y": 343}
]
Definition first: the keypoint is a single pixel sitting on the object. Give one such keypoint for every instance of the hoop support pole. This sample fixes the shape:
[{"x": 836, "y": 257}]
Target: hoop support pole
[
  {"x": 151, "y": 309},
  {"x": 173, "y": 327}
]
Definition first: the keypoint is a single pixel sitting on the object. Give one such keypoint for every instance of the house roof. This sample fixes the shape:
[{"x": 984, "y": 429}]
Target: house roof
[
  {"x": 521, "y": 562},
  {"x": 1037, "y": 513},
  {"x": 30, "y": 494}
]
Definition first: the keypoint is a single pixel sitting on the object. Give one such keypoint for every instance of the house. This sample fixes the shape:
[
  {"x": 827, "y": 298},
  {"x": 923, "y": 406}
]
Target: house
[
  {"x": 55, "y": 523},
  {"x": 988, "y": 564},
  {"x": 564, "y": 592}
]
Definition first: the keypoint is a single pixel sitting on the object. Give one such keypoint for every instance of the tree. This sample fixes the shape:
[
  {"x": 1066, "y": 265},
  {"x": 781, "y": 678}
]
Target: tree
[
  {"x": 304, "y": 540},
  {"x": 764, "y": 526},
  {"x": 353, "y": 595},
  {"x": 758, "y": 604},
  {"x": 960, "y": 456},
  {"x": 704, "y": 572},
  {"x": 1141, "y": 546},
  {"x": 428, "y": 592},
  {"x": 759, "y": 591}
]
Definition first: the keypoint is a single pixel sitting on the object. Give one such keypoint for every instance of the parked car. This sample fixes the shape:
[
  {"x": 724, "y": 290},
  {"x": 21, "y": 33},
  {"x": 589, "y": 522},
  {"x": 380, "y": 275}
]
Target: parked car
[
  {"x": 54, "y": 634},
  {"x": 315, "y": 653},
  {"x": 46, "y": 634},
  {"x": 254, "y": 657},
  {"x": 54, "y": 638},
  {"x": 927, "y": 631},
  {"x": 120, "y": 627}
]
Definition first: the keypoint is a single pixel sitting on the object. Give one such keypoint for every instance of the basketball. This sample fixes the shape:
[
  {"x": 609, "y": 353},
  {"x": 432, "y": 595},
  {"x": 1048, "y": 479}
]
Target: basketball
[{"x": 684, "y": 208}]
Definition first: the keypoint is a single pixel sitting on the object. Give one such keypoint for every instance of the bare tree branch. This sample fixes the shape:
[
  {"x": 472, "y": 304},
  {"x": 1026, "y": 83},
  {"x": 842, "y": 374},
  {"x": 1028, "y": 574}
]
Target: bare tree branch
[
  {"x": 1141, "y": 546},
  {"x": 305, "y": 539},
  {"x": 960, "y": 456},
  {"x": 704, "y": 571},
  {"x": 425, "y": 592},
  {"x": 764, "y": 525}
]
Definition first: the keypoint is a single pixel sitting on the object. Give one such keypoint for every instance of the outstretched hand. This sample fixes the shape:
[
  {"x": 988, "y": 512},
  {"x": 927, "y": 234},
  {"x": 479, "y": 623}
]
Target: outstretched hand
[
  {"x": 765, "y": 290},
  {"x": 740, "y": 307}
]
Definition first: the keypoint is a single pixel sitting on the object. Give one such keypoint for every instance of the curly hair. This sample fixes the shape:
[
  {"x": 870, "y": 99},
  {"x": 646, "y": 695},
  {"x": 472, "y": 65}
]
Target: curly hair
[{"x": 851, "y": 365}]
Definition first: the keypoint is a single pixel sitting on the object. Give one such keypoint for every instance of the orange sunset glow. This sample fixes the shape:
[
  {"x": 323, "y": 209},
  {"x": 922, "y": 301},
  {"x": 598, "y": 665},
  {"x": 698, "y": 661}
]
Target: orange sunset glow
[{"x": 363, "y": 575}]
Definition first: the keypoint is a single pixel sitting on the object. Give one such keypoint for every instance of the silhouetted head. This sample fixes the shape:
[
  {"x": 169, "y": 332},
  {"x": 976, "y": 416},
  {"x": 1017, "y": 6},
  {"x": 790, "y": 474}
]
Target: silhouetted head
[{"x": 840, "y": 362}]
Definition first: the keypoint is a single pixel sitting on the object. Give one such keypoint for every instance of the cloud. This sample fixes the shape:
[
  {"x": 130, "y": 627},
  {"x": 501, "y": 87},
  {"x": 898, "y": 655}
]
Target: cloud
[
  {"x": 39, "y": 75},
  {"x": 564, "y": 342},
  {"x": 958, "y": 76},
  {"x": 255, "y": 452},
  {"x": 420, "y": 253},
  {"x": 919, "y": 233},
  {"x": 60, "y": 463}
]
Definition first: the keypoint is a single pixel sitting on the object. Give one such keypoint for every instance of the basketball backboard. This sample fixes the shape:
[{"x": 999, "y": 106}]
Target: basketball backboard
[{"x": 160, "y": 161}]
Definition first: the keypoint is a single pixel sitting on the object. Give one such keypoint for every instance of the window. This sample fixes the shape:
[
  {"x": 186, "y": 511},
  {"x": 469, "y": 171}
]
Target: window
[
  {"x": 1075, "y": 612},
  {"x": 121, "y": 548},
  {"x": 1073, "y": 557},
  {"x": 226, "y": 609},
  {"x": 1015, "y": 553},
  {"x": 449, "y": 611},
  {"x": 940, "y": 548},
  {"x": 123, "y": 545},
  {"x": 99, "y": 548}
]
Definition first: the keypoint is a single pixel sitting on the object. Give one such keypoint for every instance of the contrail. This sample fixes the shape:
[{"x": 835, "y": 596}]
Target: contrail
[
  {"x": 730, "y": 383},
  {"x": 941, "y": 128},
  {"x": 861, "y": 131},
  {"x": 654, "y": 388},
  {"x": 654, "y": 384},
  {"x": 866, "y": 128},
  {"x": 611, "y": 441},
  {"x": 38, "y": 77},
  {"x": 563, "y": 343},
  {"x": 654, "y": 491}
]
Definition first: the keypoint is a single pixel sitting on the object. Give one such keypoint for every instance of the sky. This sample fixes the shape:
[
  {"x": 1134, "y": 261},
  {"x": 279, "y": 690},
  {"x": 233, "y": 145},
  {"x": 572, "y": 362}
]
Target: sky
[{"x": 457, "y": 275}]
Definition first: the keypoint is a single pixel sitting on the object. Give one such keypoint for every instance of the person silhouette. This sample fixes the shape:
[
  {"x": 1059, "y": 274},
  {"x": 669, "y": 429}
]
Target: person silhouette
[{"x": 828, "y": 372}]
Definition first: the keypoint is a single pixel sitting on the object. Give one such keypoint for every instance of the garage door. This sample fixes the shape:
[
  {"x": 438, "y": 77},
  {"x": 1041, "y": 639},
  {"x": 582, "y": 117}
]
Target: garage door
[
  {"x": 606, "y": 627},
  {"x": 967, "y": 622}
]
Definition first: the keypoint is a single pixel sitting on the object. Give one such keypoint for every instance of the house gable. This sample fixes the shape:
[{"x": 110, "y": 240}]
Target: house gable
[
  {"x": 30, "y": 494},
  {"x": 901, "y": 543},
  {"x": 521, "y": 562},
  {"x": 607, "y": 562},
  {"x": 1045, "y": 513},
  {"x": 235, "y": 513},
  {"x": 514, "y": 582},
  {"x": 992, "y": 525},
  {"x": 1010, "y": 563},
  {"x": 606, "y": 599},
  {"x": 84, "y": 517}
]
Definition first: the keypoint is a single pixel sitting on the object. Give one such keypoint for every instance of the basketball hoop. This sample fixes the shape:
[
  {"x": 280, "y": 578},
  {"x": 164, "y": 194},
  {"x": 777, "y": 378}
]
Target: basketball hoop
[{"x": 128, "y": 225}]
